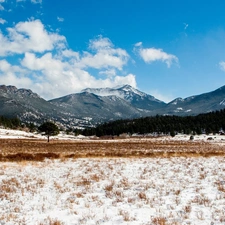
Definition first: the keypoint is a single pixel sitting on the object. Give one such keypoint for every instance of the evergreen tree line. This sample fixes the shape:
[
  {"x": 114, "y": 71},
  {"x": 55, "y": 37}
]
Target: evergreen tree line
[
  {"x": 10, "y": 122},
  {"x": 213, "y": 122}
]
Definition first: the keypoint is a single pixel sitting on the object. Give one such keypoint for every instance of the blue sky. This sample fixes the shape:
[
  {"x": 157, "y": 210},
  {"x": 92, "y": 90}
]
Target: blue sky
[{"x": 165, "y": 48}]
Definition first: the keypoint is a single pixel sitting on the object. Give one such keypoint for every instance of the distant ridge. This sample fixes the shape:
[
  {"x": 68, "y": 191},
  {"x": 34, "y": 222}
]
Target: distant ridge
[{"x": 96, "y": 105}]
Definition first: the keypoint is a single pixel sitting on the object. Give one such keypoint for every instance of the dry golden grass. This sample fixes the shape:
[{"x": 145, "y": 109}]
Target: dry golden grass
[{"x": 38, "y": 150}]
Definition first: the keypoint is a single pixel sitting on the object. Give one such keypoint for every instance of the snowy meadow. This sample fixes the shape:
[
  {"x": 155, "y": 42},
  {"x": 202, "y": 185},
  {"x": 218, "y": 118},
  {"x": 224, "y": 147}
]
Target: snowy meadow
[
  {"x": 114, "y": 191},
  {"x": 154, "y": 182}
]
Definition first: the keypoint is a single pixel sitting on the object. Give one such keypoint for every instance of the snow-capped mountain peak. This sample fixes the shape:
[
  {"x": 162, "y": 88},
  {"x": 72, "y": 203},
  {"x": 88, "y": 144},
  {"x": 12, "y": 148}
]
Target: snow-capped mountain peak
[
  {"x": 125, "y": 92},
  {"x": 128, "y": 88},
  {"x": 131, "y": 95}
]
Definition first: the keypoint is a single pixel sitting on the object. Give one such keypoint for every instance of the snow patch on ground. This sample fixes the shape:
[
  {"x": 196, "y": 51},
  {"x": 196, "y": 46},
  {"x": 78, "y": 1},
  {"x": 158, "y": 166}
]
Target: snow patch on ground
[
  {"x": 114, "y": 191},
  {"x": 7, "y": 133},
  {"x": 18, "y": 134}
]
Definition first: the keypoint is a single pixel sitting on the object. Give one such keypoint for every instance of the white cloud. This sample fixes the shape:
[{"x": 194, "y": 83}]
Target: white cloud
[
  {"x": 4, "y": 66},
  {"x": 129, "y": 79},
  {"x": 68, "y": 53},
  {"x": 29, "y": 36},
  {"x": 185, "y": 26},
  {"x": 103, "y": 59},
  {"x": 44, "y": 64},
  {"x": 32, "y": 1},
  {"x": 1, "y": 7},
  {"x": 138, "y": 44},
  {"x": 60, "y": 19},
  {"x": 222, "y": 65},
  {"x": 109, "y": 73},
  {"x": 57, "y": 78},
  {"x": 100, "y": 43},
  {"x": 104, "y": 56},
  {"x": 14, "y": 75},
  {"x": 61, "y": 74},
  {"x": 150, "y": 55},
  {"x": 36, "y": 1},
  {"x": 2, "y": 21}
]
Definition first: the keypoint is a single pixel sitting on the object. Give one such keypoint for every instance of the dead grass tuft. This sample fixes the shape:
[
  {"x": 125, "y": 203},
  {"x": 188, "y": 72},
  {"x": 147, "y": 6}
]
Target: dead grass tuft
[
  {"x": 158, "y": 221},
  {"x": 52, "y": 222}
]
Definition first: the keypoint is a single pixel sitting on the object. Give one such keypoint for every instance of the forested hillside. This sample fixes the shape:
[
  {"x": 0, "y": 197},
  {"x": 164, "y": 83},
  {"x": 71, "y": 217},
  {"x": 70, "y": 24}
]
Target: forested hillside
[
  {"x": 212, "y": 122},
  {"x": 9, "y": 122}
]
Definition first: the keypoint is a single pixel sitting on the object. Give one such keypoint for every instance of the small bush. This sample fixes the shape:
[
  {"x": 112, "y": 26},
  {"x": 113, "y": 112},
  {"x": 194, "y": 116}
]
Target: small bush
[{"x": 191, "y": 138}]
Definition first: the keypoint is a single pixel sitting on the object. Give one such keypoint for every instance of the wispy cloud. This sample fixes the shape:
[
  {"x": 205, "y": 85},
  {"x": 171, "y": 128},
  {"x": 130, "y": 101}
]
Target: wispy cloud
[
  {"x": 60, "y": 19},
  {"x": 185, "y": 26},
  {"x": 150, "y": 55},
  {"x": 109, "y": 73},
  {"x": 32, "y": 1},
  {"x": 2, "y": 21},
  {"x": 138, "y": 44},
  {"x": 222, "y": 66},
  {"x": 36, "y": 1}
]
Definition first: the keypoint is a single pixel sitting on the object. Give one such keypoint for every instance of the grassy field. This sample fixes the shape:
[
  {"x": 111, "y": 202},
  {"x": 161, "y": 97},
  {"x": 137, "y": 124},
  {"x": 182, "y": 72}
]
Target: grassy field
[
  {"x": 149, "y": 181},
  {"x": 28, "y": 149}
]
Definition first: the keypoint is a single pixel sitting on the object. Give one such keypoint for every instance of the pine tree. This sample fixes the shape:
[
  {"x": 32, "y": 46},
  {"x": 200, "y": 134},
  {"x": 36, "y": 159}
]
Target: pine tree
[{"x": 49, "y": 129}]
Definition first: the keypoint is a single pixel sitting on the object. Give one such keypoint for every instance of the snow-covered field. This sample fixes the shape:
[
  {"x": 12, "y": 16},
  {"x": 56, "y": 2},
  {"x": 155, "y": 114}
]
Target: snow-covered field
[
  {"x": 110, "y": 191},
  {"x": 114, "y": 191},
  {"x": 18, "y": 134}
]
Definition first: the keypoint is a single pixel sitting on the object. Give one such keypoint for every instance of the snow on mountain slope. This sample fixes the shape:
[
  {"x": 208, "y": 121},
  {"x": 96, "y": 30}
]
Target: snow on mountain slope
[
  {"x": 176, "y": 101},
  {"x": 222, "y": 102},
  {"x": 125, "y": 92}
]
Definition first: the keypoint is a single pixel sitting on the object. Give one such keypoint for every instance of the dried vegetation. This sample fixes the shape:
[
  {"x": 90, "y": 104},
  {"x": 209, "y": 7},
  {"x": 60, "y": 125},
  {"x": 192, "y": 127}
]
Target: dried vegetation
[
  {"x": 135, "y": 181},
  {"x": 38, "y": 150}
]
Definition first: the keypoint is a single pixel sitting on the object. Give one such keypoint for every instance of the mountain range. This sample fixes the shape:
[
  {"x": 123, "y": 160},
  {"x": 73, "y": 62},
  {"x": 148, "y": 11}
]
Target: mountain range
[{"x": 96, "y": 105}]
